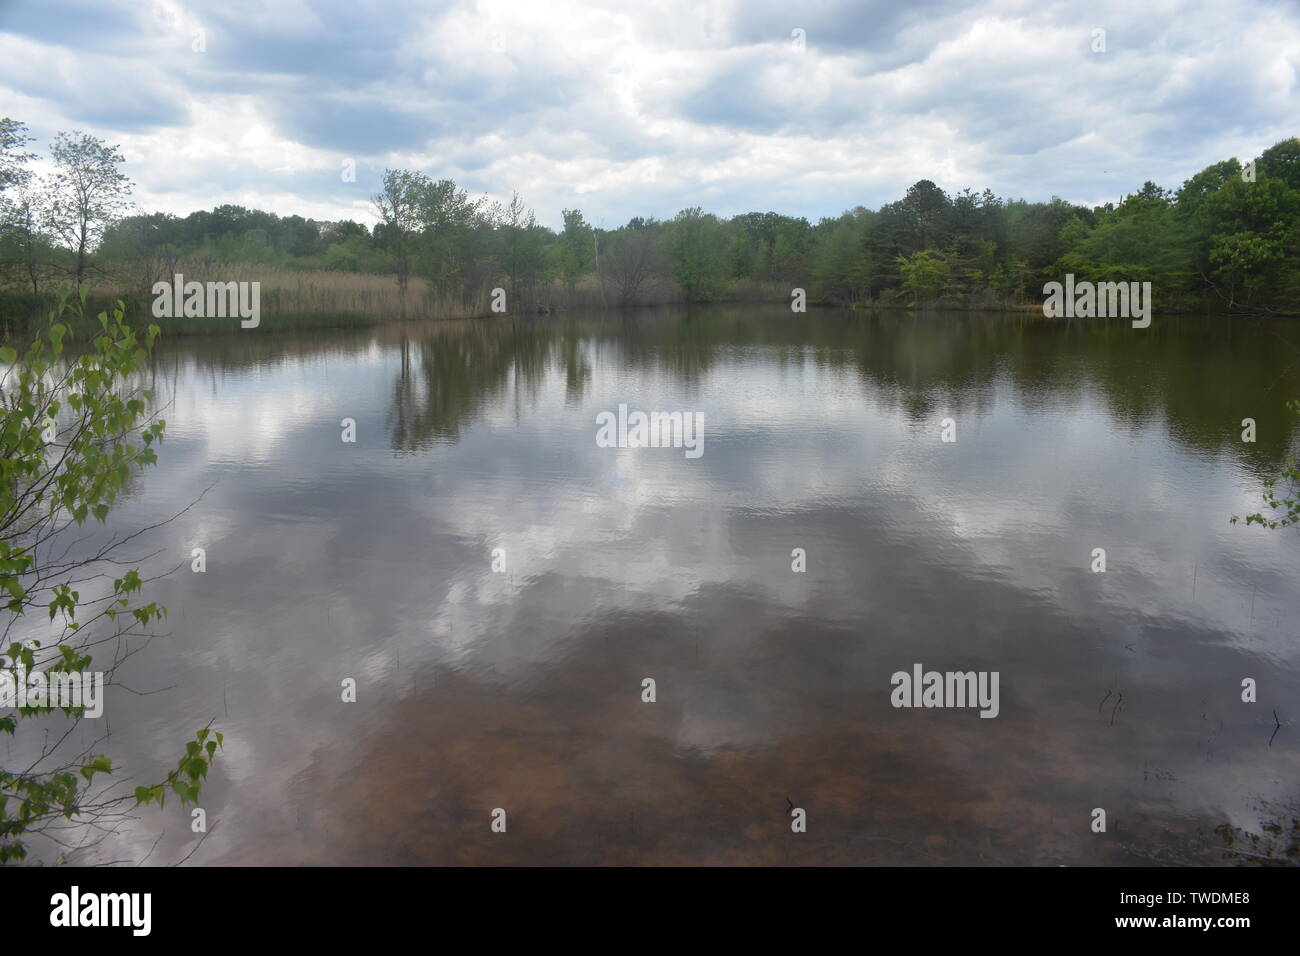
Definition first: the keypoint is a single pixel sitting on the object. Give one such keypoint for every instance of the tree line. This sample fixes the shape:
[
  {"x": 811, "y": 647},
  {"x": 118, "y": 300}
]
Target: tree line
[{"x": 1227, "y": 239}]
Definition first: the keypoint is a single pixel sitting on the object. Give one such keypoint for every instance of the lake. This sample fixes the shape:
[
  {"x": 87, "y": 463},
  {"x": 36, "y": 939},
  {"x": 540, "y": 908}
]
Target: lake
[{"x": 499, "y": 587}]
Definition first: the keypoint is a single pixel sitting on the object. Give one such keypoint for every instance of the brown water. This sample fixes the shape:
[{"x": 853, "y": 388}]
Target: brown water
[{"x": 522, "y": 689}]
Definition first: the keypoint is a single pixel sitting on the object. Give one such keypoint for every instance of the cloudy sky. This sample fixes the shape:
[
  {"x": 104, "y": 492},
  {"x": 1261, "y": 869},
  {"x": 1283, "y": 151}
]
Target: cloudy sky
[{"x": 646, "y": 107}]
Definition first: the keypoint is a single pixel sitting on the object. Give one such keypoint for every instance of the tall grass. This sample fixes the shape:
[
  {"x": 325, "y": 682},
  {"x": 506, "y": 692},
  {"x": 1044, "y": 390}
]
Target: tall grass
[{"x": 293, "y": 298}]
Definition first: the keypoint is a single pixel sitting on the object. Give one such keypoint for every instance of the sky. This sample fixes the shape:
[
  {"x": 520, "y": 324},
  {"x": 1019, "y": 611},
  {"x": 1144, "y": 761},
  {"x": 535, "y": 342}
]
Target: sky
[{"x": 646, "y": 107}]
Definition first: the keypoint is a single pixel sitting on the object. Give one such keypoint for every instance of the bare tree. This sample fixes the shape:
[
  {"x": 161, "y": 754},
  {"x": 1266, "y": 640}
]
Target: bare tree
[
  {"x": 630, "y": 257},
  {"x": 87, "y": 193},
  {"x": 23, "y": 221},
  {"x": 19, "y": 215}
]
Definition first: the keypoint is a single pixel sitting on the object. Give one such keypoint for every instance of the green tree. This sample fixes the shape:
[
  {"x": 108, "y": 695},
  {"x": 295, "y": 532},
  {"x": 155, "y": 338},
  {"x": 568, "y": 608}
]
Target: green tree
[
  {"x": 696, "y": 254},
  {"x": 398, "y": 206},
  {"x": 930, "y": 212},
  {"x": 1281, "y": 494},
  {"x": 1142, "y": 239},
  {"x": 524, "y": 259},
  {"x": 14, "y": 156},
  {"x": 72, "y": 432},
  {"x": 841, "y": 265},
  {"x": 1281, "y": 161},
  {"x": 924, "y": 274},
  {"x": 577, "y": 251},
  {"x": 1246, "y": 229},
  {"x": 446, "y": 214}
]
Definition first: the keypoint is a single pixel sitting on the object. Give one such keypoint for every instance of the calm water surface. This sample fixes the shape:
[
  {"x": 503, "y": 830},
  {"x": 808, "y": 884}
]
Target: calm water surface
[{"x": 522, "y": 689}]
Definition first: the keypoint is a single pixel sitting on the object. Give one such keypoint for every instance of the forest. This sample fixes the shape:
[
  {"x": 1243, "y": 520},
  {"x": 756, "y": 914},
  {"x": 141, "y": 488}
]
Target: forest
[{"x": 1226, "y": 240}]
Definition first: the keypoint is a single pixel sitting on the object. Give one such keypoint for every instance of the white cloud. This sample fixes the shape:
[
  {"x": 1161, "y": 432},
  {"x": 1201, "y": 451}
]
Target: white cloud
[{"x": 645, "y": 109}]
